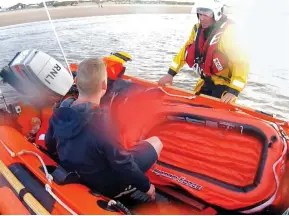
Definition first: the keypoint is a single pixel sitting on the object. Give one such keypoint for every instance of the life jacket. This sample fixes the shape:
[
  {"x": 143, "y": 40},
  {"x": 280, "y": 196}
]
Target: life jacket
[
  {"x": 205, "y": 54},
  {"x": 115, "y": 64},
  {"x": 114, "y": 69}
]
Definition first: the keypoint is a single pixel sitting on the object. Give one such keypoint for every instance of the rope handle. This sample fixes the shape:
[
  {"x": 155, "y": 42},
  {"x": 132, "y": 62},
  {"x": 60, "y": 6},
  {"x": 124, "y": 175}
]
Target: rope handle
[{"x": 175, "y": 95}]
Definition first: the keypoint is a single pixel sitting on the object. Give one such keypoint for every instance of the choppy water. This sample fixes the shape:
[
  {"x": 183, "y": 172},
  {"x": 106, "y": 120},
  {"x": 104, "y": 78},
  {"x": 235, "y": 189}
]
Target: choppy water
[{"x": 153, "y": 40}]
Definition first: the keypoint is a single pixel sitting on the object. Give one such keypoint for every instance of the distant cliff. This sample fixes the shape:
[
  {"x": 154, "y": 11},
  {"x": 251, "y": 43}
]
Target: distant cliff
[
  {"x": 64, "y": 3},
  {"x": 20, "y": 6}
]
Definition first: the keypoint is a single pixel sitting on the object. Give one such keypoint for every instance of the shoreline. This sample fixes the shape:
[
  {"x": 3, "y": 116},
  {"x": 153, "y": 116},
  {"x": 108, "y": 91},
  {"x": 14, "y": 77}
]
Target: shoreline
[{"x": 9, "y": 18}]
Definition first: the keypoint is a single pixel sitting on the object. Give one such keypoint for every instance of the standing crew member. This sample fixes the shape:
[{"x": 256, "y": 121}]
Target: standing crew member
[{"x": 213, "y": 54}]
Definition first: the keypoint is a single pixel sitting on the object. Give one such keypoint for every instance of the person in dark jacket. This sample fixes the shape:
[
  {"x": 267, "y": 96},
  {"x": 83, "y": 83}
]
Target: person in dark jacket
[{"x": 80, "y": 133}]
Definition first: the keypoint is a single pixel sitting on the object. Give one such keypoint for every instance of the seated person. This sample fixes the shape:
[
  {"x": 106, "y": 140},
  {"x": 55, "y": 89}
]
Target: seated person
[{"x": 80, "y": 133}]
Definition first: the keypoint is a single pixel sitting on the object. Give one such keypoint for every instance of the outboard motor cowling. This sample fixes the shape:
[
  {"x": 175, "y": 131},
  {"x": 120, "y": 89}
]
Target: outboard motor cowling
[{"x": 39, "y": 77}]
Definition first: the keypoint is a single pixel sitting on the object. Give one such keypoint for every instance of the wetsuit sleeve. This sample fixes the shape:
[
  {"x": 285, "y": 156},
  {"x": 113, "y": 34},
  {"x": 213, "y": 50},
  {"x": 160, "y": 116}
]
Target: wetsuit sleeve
[
  {"x": 180, "y": 59},
  {"x": 238, "y": 59},
  {"x": 123, "y": 163},
  {"x": 50, "y": 141}
]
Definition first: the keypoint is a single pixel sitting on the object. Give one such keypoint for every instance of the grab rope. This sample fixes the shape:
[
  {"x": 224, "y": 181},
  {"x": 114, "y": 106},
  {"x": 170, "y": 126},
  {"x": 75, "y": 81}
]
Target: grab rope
[
  {"x": 278, "y": 127},
  {"x": 174, "y": 95},
  {"x": 12, "y": 154},
  {"x": 49, "y": 190},
  {"x": 47, "y": 175},
  {"x": 283, "y": 133},
  {"x": 281, "y": 123}
]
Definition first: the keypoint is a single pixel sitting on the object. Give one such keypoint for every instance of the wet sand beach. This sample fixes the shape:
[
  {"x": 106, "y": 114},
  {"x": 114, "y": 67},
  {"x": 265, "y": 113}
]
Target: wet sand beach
[{"x": 34, "y": 15}]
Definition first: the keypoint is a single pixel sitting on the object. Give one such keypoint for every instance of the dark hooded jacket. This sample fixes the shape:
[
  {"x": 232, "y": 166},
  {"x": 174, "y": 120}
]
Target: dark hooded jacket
[{"x": 81, "y": 136}]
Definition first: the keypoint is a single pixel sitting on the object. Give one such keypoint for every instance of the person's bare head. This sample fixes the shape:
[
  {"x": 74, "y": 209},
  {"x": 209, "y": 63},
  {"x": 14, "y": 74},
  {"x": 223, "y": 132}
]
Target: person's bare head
[{"x": 91, "y": 78}]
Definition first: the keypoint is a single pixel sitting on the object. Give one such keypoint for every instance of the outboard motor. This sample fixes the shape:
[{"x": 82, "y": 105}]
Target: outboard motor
[{"x": 39, "y": 77}]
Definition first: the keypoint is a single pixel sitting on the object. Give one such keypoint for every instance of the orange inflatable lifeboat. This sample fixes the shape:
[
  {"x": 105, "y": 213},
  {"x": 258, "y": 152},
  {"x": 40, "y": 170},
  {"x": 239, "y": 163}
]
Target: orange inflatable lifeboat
[{"x": 217, "y": 158}]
